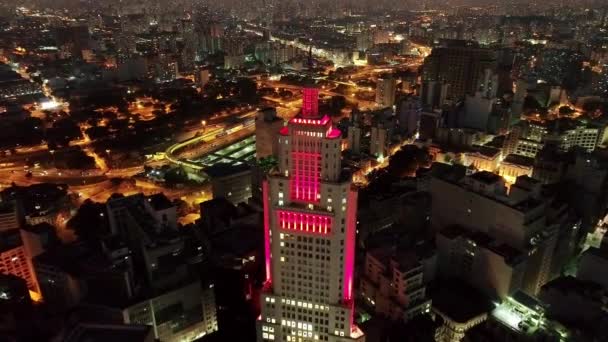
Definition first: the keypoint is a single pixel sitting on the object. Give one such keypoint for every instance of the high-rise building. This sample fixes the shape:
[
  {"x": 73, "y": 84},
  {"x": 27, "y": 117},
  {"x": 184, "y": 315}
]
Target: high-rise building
[
  {"x": 497, "y": 241},
  {"x": 385, "y": 91},
  {"x": 460, "y": 64},
  {"x": 267, "y": 126},
  {"x": 434, "y": 94},
  {"x": 310, "y": 209},
  {"x": 14, "y": 259},
  {"x": 9, "y": 219},
  {"x": 408, "y": 115},
  {"x": 354, "y": 138},
  {"x": 378, "y": 146},
  {"x": 480, "y": 106}
]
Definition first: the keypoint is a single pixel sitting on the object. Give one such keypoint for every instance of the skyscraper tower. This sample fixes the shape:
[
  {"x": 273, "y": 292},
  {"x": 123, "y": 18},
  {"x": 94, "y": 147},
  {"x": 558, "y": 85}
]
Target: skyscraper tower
[{"x": 310, "y": 210}]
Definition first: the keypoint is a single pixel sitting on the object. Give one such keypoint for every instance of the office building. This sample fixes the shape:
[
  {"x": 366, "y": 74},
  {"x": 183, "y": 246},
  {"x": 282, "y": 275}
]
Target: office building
[{"x": 309, "y": 221}]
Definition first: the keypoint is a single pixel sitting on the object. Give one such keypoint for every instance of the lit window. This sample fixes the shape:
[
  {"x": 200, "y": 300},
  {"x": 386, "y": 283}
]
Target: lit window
[
  {"x": 282, "y": 259},
  {"x": 280, "y": 195}
]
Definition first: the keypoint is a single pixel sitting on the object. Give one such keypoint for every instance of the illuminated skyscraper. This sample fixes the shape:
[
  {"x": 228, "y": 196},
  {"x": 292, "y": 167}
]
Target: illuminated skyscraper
[{"x": 310, "y": 209}]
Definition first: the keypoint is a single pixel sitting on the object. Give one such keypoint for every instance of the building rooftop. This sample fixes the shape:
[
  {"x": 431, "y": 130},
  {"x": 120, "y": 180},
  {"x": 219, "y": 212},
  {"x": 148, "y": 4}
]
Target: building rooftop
[
  {"x": 75, "y": 259},
  {"x": 519, "y": 160},
  {"x": 487, "y": 151},
  {"x": 10, "y": 239},
  {"x": 486, "y": 177},
  {"x": 571, "y": 284},
  {"x": 7, "y": 207},
  {"x": 459, "y": 301},
  {"x": 40, "y": 229},
  {"x": 226, "y": 169},
  {"x": 510, "y": 254},
  {"x": 160, "y": 202},
  {"x": 87, "y": 332}
]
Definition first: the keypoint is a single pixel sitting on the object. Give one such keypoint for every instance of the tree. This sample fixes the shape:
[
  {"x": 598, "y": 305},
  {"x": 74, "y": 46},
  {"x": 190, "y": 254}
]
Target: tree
[
  {"x": 63, "y": 131},
  {"x": 565, "y": 111},
  {"x": 246, "y": 89},
  {"x": 407, "y": 160},
  {"x": 90, "y": 222},
  {"x": 29, "y": 131}
]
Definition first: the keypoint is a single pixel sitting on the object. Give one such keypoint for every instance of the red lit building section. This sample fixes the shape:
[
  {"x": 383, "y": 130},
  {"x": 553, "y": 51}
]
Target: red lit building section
[
  {"x": 267, "y": 253},
  {"x": 304, "y": 222},
  {"x": 306, "y": 171},
  {"x": 310, "y": 103}
]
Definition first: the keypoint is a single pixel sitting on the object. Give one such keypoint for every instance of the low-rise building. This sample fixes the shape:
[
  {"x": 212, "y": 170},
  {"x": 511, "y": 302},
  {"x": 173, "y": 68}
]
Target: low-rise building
[
  {"x": 232, "y": 182},
  {"x": 393, "y": 284},
  {"x": 514, "y": 166},
  {"x": 484, "y": 158}
]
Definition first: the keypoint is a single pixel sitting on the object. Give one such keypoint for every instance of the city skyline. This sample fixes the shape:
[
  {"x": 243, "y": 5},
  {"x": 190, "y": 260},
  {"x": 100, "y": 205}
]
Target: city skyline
[{"x": 279, "y": 170}]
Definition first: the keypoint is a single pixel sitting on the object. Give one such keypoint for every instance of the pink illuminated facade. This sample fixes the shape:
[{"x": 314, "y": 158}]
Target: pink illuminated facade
[
  {"x": 310, "y": 103},
  {"x": 310, "y": 211}
]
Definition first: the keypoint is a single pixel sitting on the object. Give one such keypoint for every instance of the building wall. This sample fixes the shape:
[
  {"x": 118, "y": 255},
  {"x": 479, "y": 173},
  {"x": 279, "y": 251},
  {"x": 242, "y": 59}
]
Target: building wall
[
  {"x": 378, "y": 142},
  {"x": 392, "y": 293},
  {"x": 9, "y": 220},
  {"x": 592, "y": 267},
  {"x": 478, "y": 265},
  {"x": 267, "y": 126},
  {"x": 235, "y": 187},
  {"x": 354, "y": 139},
  {"x": 385, "y": 92},
  {"x": 16, "y": 262},
  {"x": 60, "y": 290},
  {"x": 455, "y": 204}
]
